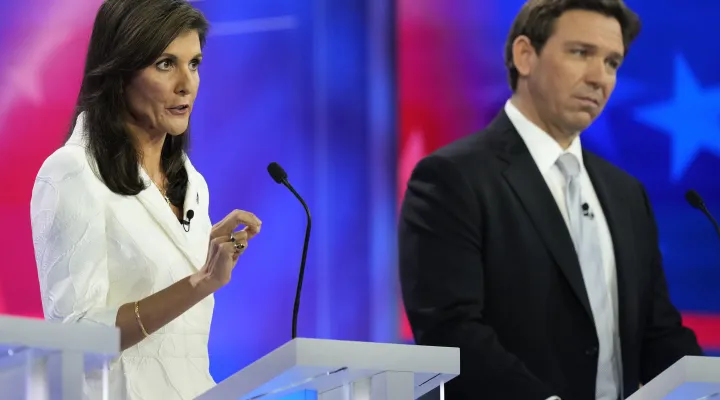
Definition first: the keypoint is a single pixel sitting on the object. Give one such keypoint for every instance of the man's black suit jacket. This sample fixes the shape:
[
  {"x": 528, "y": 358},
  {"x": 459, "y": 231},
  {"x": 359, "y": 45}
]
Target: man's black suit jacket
[{"x": 487, "y": 265}]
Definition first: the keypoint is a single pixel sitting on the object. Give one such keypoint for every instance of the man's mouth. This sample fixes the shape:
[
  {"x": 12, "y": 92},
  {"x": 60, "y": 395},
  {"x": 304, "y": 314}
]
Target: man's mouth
[{"x": 589, "y": 100}]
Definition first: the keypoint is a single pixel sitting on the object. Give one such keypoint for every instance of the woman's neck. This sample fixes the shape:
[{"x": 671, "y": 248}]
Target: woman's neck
[{"x": 149, "y": 145}]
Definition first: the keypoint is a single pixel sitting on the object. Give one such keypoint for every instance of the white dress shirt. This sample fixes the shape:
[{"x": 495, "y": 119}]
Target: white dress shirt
[
  {"x": 96, "y": 250},
  {"x": 545, "y": 151}
]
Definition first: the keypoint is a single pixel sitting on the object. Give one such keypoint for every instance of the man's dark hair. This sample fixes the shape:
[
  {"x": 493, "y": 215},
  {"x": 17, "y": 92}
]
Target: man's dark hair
[
  {"x": 128, "y": 36},
  {"x": 536, "y": 20}
]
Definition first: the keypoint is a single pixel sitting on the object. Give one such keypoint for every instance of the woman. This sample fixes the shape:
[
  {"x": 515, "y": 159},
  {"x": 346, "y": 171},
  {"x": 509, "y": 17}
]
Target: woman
[{"x": 119, "y": 215}]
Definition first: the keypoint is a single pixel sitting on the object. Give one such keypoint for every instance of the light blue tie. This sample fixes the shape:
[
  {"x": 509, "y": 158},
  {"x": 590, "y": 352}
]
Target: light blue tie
[{"x": 583, "y": 230}]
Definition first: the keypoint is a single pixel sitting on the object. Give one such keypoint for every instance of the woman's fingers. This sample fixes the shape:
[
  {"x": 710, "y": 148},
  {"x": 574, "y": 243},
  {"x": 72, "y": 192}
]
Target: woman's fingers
[{"x": 235, "y": 219}]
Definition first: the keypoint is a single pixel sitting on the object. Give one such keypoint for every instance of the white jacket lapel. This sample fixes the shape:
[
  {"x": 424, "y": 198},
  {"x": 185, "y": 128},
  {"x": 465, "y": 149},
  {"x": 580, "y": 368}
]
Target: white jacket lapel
[
  {"x": 157, "y": 207},
  {"x": 196, "y": 232}
]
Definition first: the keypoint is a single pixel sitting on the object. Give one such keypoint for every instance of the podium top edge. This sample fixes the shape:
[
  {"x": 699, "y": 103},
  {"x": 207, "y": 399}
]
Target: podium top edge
[
  {"x": 369, "y": 355},
  {"x": 50, "y": 335},
  {"x": 316, "y": 341}
]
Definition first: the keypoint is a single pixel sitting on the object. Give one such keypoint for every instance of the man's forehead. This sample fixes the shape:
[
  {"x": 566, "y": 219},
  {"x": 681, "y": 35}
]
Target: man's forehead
[{"x": 589, "y": 28}]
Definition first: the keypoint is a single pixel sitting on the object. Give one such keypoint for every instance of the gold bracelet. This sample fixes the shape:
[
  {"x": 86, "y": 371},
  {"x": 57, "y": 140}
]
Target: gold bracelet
[{"x": 137, "y": 316}]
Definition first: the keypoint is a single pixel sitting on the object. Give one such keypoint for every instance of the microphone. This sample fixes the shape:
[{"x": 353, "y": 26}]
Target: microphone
[
  {"x": 694, "y": 199},
  {"x": 280, "y": 176},
  {"x": 587, "y": 212},
  {"x": 186, "y": 222}
]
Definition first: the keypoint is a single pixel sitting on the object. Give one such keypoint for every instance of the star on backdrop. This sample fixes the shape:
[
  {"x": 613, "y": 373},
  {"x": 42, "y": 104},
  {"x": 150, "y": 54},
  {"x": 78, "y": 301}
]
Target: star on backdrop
[{"x": 691, "y": 117}]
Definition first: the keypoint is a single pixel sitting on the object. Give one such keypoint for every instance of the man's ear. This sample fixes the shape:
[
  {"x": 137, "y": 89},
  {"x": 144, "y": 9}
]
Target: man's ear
[{"x": 524, "y": 55}]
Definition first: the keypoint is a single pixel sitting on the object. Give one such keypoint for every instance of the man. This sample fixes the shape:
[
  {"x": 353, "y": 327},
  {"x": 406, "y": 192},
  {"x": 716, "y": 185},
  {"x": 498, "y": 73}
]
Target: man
[{"x": 539, "y": 260}]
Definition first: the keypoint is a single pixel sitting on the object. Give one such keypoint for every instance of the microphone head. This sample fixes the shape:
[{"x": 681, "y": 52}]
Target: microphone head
[
  {"x": 694, "y": 199},
  {"x": 190, "y": 214},
  {"x": 277, "y": 172}
]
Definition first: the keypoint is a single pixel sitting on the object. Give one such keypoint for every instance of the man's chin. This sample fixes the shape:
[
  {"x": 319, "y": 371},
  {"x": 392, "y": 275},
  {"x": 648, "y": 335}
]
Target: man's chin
[{"x": 582, "y": 120}]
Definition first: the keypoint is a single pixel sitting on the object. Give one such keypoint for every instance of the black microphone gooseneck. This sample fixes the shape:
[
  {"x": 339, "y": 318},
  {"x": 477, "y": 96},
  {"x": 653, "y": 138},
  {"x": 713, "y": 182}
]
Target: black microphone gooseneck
[
  {"x": 280, "y": 176},
  {"x": 694, "y": 199}
]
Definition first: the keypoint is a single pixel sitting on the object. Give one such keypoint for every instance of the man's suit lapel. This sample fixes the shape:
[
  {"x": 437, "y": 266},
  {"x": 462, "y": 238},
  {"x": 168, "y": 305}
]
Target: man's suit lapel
[
  {"x": 155, "y": 204},
  {"x": 529, "y": 185},
  {"x": 618, "y": 218}
]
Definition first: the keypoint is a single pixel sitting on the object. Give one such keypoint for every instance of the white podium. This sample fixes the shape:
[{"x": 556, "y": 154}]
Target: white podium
[
  {"x": 341, "y": 370},
  {"x": 694, "y": 378},
  {"x": 42, "y": 360}
]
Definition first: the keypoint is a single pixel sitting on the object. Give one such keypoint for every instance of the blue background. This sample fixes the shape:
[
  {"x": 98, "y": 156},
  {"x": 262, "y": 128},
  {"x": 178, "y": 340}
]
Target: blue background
[{"x": 297, "y": 82}]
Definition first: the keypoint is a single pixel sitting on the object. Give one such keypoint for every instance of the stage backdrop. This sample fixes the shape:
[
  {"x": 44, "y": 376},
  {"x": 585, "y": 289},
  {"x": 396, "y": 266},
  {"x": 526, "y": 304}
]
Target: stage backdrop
[
  {"x": 309, "y": 84},
  {"x": 303, "y": 83},
  {"x": 662, "y": 124}
]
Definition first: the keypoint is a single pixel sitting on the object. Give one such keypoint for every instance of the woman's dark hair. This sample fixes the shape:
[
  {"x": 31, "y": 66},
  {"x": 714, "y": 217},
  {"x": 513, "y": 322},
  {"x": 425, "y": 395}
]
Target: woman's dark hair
[
  {"x": 128, "y": 36},
  {"x": 536, "y": 20}
]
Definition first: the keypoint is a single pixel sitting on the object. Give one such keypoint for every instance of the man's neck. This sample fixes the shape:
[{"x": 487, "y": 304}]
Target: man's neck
[{"x": 528, "y": 109}]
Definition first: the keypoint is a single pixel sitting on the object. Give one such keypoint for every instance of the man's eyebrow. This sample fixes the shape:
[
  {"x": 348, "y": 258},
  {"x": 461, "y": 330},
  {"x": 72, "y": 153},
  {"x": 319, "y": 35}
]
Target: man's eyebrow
[{"x": 593, "y": 47}]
